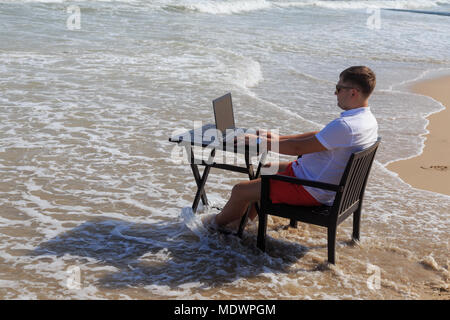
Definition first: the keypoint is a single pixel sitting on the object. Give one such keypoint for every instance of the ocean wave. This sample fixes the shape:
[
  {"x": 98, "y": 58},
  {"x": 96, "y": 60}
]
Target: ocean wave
[
  {"x": 242, "y": 6},
  {"x": 220, "y": 7},
  {"x": 248, "y": 74},
  {"x": 236, "y": 7},
  {"x": 386, "y": 4},
  {"x": 63, "y": 1}
]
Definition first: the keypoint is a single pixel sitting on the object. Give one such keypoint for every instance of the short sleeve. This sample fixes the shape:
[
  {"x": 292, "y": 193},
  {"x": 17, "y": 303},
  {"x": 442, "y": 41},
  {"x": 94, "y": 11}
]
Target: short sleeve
[{"x": 336, "y": 134}]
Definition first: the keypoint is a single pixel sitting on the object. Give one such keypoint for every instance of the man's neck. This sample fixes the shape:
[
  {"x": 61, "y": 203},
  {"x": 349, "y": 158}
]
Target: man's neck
[
  {"x": 351, "y": 108},
  {"x": 365, "y": 104}
]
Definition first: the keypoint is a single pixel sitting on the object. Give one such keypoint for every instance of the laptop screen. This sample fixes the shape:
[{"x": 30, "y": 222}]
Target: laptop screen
[{"x": 223, "y": 112}]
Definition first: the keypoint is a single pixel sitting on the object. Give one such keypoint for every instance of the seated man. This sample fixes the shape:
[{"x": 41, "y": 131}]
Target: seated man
[{"x": 324, "y": 153}]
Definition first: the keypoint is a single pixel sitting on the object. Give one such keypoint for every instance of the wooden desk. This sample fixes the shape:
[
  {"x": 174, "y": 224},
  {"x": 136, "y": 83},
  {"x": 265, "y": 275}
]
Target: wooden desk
[{"x": 205, "y": 137}]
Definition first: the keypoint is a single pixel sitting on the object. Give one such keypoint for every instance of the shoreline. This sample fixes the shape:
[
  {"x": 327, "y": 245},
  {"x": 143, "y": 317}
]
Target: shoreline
[{"x": 431, "y": 169}]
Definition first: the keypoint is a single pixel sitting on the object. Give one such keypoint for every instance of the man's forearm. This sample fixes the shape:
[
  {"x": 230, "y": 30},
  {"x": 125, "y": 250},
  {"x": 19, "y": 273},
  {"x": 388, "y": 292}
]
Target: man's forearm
[
  {"x": 295, "y": 146},
  {"x": 283, "y": 146},
  {"x": 299, "y": 136}
]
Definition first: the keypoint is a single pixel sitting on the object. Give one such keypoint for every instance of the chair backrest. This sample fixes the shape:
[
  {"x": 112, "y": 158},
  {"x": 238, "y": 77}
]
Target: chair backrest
[{"x": 354, "y": 180}]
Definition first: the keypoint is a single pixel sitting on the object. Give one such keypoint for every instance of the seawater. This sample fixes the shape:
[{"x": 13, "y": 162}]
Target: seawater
[{"x": 94, "y": 202}]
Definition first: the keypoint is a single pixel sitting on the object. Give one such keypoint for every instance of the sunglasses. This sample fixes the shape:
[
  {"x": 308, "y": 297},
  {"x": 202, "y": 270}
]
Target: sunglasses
[{"x": 340, "y": 87}]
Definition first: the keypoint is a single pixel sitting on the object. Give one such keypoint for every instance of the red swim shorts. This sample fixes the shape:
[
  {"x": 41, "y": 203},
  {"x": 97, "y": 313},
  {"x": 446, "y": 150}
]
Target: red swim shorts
[{"x": 289, "y": 193}]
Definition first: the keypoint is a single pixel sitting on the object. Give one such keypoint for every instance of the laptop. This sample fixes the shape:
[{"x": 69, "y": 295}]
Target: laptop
[{"x": 224, "y": 117}]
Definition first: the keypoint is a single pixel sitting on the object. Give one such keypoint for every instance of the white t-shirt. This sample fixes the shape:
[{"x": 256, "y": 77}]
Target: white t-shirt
[{"x": 354, "y": 130}]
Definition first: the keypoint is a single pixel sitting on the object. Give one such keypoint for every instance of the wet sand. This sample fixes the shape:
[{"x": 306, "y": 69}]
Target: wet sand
[{"x": 431, "y": 169}]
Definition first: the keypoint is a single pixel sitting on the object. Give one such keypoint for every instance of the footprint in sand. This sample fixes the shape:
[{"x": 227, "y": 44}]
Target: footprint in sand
[{"x": 439, "y": 168}]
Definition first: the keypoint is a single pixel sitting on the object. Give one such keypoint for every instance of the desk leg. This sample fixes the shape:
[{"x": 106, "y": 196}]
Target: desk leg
[
  {"x": 260, "y": 164},
  {"x": 201, "y": 181},
  {"x": 198, "y": 180},
  {"x": 249, "y": 166}
]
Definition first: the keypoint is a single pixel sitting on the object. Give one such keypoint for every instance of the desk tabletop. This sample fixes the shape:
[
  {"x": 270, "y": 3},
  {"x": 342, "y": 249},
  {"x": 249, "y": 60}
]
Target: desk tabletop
[{"x": 208, "y": 137}]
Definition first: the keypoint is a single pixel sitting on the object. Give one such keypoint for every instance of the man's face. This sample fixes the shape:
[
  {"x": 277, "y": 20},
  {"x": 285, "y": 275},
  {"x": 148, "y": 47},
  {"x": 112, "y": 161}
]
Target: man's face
[{"x": 344, "y": 93}]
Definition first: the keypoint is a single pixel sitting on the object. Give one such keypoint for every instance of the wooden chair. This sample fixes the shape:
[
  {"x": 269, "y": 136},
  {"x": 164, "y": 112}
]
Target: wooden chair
[{"x": 348, "y": 200}]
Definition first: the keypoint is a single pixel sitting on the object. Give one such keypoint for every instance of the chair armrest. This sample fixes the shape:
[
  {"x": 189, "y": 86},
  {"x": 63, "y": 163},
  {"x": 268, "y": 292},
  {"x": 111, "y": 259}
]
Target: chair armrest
[{"x": 303, "y": 182}]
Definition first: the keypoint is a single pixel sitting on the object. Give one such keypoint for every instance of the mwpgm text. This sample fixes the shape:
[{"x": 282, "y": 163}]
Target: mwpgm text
[{"x": 250, "y": 309}]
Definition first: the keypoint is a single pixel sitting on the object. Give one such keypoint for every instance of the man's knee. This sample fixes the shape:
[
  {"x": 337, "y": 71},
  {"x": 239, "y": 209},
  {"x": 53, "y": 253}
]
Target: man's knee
[
  {"x": 277, "y": 167},
  {"x": 246, "y": 191},
  {"x": 237, "y": 189}
]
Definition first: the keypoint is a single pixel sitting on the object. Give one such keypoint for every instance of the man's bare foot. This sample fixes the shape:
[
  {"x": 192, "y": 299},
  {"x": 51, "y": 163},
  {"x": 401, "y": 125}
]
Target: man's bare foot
[
  {"x": 234, "y": 225},
  {"x": 209, "y": 221}
]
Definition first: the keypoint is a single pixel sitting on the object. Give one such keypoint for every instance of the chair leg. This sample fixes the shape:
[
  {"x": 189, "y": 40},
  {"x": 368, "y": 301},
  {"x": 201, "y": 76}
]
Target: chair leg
[
  {"x": 331, "y": 244},
  {"x": 356, "y": 224},
  {"x": 262, "y": 226}
]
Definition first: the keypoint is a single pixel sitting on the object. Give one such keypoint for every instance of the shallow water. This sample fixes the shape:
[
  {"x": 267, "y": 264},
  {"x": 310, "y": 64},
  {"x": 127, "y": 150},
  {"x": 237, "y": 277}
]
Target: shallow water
[{"x": 92, "y": 194}]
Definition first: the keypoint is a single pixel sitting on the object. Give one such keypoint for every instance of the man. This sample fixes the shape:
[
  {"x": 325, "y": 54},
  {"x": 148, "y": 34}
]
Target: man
[{"x": 324, "y": 153}]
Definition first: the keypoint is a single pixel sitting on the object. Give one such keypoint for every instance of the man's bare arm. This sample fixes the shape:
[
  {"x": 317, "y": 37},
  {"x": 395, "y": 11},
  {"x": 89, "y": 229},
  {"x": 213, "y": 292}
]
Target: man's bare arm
[
  {"x": 296, "y": 146},
  {"x": 299, "y": 136},
  {"x": 271, "y": 135}
]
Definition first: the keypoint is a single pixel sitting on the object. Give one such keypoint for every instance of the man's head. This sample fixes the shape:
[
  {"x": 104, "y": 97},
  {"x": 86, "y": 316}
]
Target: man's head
[{"x": 355, "y": 86}]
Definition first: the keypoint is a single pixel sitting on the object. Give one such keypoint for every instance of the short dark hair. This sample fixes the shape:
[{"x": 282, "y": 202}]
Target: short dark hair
[{"x": 362, "y": 77}]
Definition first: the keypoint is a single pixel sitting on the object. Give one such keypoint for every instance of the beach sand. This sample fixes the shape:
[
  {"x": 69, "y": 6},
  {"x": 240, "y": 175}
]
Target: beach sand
[{"x": 431, "y": 169}]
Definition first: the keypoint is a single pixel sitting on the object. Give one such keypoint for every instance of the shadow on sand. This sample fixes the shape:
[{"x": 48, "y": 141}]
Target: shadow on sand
[{"x": 168, "y": 253}]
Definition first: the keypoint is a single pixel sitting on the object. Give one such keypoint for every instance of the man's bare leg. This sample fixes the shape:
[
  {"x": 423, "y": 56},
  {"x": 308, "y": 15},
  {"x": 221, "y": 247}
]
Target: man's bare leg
[
  {"x": 281, "y": 167},
  {"x": 242, "y": 195},
  {"x": 242, "y": 206}
]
